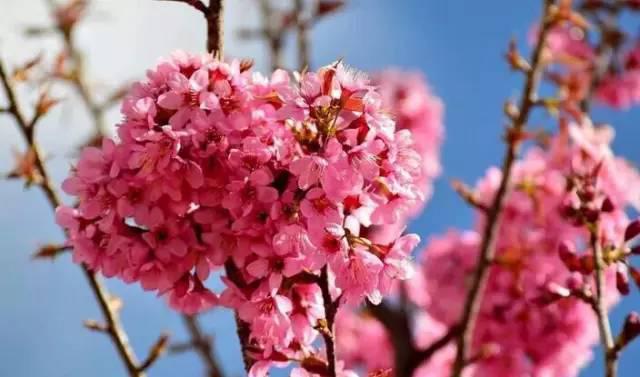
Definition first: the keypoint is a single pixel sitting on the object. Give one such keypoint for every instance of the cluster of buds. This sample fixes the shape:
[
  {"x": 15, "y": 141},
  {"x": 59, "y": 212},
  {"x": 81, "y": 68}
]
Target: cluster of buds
[{"x": 585, "y": 206}]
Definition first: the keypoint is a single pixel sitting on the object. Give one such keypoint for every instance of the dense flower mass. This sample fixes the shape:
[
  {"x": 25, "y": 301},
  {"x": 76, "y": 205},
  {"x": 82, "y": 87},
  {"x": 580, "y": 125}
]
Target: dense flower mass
[
  {"x": 531, "y": 316},
  {"x": 271, "y": 178}
]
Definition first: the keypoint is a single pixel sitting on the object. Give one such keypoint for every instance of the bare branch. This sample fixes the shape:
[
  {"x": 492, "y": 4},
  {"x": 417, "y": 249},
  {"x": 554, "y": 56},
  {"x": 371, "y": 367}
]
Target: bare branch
[
  {"x": 113, "y": 327},
  {"x": 157, "y": 350},
  {"x": 487, "y": 248},
  {"x": 604, "y": 326},
  {"x": 202, "y": 344}
]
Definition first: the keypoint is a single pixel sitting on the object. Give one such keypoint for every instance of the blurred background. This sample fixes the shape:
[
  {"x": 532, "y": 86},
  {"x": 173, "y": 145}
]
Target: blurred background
[{"x": 457, "y": 44}]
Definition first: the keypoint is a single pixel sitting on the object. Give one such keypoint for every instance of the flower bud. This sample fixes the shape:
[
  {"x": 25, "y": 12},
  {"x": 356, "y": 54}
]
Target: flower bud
[
  {"x": 633, "y": 229},
  {"x": 622, "y": 279},
  {"x": 586, "y": 264},
  {"x": 607, "y": 205},
  {"x": 635, "y": 275},
  {"x": 631, "y": 328}
]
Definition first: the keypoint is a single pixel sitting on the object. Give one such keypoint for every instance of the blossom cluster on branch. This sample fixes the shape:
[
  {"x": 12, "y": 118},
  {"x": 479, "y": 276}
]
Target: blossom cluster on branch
[{"x": 217, "y": 166}]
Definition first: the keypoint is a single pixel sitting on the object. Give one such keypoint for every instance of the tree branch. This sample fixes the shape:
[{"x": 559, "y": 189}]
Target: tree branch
[
  {"x": 302, "y": 37},
  {"x": 203, "y": 345},
  {"x": 327, "y": 328},
  {"x": 487, "y": 248},
  {"x": 215, "y": 28},
  {"x": 273, "y": 33},
  {"x": 604, "y": 326},
  {"x": 113, "y": 326},
  {"x": 407, "y": 356},
  {"x": 243, "y": 329}
]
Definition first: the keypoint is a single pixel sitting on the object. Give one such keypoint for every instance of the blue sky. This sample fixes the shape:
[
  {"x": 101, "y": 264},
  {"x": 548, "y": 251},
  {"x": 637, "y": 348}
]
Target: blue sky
[{"x": 458, "y": 44}]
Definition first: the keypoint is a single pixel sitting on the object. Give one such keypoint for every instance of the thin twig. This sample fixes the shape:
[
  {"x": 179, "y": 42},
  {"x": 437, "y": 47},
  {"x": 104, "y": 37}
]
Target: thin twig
[
  {"x": 327, "y": 329},
  {"x": 202, "y": 345},
  {"x": 273, "y": 33},
  {"x": 113, "y": 326},
  {"x": 157, "y": 350},
  {"x": 214, "y": 14},
  {"x": 243, "y": 329},
  {"x": 487, "y": 249},
  {"x": 604, "y": 326},
  {"x": 77, "y": 77},
  {"x": 302, "y": 37}
]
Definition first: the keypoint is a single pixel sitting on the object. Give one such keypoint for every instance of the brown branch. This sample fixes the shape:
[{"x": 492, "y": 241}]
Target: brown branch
[
  {"x": 273, "y": 33},
  {"x": 113, "y": 326},
  {"x": 202, "y": 345},
  {"x": 77, "y": 77},
  {"x": 243, "y": 329},
  {"x": 157, "y": 350},
  {"x": 327, "y": 328},
  {"x": 215, "y": 28},
  {"x": 487, "y": 248},
  {"x": 302, "y": 36},
  {"x": 214, "y": 14},
  {"x": 408, "y": 357},
  {"x": 604, "y": 326}
]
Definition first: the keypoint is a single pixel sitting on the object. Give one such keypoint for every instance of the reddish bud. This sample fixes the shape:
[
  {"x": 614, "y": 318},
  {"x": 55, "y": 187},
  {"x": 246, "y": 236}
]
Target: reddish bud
[
  {"x": 586, "y": 264},
  {"x": 587, "y": 194},
  {"x": 622, "y": 280},
  {"x": 635, "y": 275},
  {"x": 315, "y": 365},
  {"x": 631, "y": 328},
  {"x": 607, "y": 205},
  {"x": 591, "y": 214},
  {"x": 328, "y": 6},
  {"x": 633, "y": 229}
]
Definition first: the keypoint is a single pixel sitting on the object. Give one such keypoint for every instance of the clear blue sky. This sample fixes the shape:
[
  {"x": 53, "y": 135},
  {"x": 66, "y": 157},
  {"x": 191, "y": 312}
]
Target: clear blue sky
[{"x": 458, "y": 44}]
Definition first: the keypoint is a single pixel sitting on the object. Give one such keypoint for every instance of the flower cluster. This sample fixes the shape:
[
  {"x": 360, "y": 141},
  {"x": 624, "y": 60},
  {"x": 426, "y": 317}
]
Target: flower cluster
[
  {"x": 534, "y": 317},
  {"x": 270, "y": 178}
]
